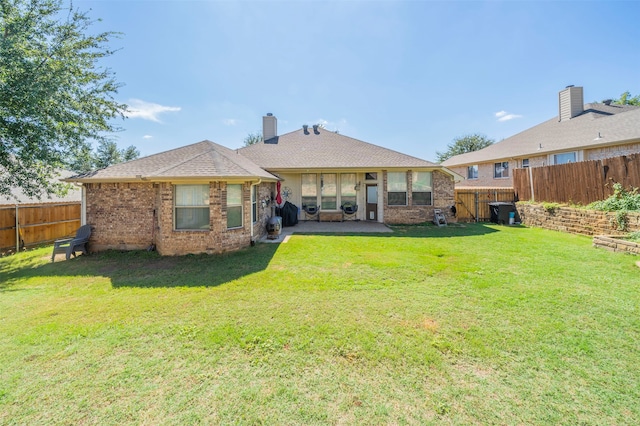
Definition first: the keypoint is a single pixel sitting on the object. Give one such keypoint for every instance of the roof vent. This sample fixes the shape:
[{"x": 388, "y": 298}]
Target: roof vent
[
  {"x": 269, "y": 114},
  {"x": 305, "y": 127},
  {"x": 607, "y": 101},
  {"x": 315, "y": 129}
]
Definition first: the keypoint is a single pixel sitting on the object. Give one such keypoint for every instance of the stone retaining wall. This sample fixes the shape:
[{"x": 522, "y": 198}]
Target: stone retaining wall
[
  {"x": 575, "y": 221},
  {"x": 611, "y": 243}
]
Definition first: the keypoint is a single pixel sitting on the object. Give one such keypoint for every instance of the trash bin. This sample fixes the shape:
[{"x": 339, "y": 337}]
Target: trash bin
[{"x": 501, "y": 213}]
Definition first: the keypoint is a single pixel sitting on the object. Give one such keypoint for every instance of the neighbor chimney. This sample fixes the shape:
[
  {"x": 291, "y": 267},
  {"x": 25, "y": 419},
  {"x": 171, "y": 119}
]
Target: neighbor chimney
[
  {"x": 571, "y": 103},
  {"x": 269, "y": 127}
]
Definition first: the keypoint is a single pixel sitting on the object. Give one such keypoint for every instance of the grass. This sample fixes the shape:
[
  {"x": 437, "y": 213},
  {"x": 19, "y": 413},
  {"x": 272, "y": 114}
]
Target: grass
[{"x": 472, "y": 324}]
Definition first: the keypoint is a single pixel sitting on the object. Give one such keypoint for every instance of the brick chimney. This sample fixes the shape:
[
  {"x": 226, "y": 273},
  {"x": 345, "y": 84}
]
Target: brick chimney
[
  {"x": 269, "y": 127},
  {"x": 570, "y": 103}
]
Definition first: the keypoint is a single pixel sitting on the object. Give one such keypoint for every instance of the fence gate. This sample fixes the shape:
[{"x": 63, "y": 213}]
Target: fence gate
[{"x": 472, "y": 204}]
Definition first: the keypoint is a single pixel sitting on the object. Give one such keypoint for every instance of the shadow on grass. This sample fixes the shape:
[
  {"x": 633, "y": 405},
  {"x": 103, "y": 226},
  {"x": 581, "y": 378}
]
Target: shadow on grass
[{"x": 144, "y": 269}]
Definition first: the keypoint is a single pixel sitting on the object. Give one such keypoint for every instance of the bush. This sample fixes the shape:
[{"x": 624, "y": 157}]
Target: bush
[{"x": 621, "y": 200}]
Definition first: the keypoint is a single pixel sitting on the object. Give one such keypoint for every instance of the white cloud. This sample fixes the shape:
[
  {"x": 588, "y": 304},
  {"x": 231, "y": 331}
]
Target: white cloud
[
  {"x": 147, "y": 137},
  {"x": 504, "y": 116},
  {"x": 147, "y": 110},
  {"x": 230, "y": 122}
]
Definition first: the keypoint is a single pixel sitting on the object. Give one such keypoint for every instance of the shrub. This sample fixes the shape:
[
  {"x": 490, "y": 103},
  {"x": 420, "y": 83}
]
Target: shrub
[{"x": 621, "y": 200}]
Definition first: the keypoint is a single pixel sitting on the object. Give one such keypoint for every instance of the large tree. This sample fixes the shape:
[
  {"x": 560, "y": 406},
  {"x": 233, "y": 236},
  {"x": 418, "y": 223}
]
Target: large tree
[
  {"x": 55, "y": 95},
  {"x": 464, "y": 144}
]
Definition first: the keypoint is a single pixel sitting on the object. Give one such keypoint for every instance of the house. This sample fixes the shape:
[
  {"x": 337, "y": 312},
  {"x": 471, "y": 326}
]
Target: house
[
  {"x": 580, "y": 132},
  {"x": 208, "y": 198}
]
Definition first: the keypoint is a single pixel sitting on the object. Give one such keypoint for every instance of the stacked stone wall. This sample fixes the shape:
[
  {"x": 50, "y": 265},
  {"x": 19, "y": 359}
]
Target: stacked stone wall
[
  {"x": 576, "y": 221},
  {"x": 615, "y": 244}
]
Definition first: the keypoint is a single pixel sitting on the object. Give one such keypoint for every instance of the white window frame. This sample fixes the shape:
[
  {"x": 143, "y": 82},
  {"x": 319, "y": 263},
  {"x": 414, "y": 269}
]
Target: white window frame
[
  {"x": 474, "y": 168},
  {"x": 235, "y": 205},
  {"x": 421, "y": 189},
  {"x": 525, "y": 163},
  {"x": 503, "y": 167},
  {"x": 204, "y": 205},
  {"x": 397, "y": 186},
  {"x": 554, "y": 157}
]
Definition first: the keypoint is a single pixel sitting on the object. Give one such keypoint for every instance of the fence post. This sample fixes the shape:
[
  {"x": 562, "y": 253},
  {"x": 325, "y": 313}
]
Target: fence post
[
  {"x": 533, "y": 197},
  {"x": 477, "y": 193},
  {"x": 17, "y": 231}
]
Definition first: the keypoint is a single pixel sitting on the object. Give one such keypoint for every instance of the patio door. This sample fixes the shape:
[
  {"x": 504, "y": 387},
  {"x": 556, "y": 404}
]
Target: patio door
[{"x": 372, "y": 203}]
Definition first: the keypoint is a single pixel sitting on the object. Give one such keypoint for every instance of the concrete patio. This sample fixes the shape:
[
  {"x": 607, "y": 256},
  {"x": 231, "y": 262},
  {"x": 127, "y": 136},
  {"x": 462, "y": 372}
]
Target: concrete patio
[{"x": 313, "y": 227}]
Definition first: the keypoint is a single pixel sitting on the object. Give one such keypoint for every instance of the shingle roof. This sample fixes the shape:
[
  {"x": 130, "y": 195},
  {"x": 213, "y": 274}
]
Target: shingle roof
[
  {"x": 326, "y": 149},
  {"x": 204, "y": 159},
  {"x": 614, "y": 123},
  {"x": 19, "y": 197}
]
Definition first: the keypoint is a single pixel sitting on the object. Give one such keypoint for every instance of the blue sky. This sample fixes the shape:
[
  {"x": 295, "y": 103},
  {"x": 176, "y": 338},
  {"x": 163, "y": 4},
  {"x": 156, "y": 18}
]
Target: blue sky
[{"x": 407, "y": 75}]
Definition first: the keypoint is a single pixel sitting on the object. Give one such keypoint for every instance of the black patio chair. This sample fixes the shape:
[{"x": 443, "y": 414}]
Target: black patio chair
[
  {"x": 349, "y": 210},
  {"x": 311, "y": 211},
  {"x": 70, "y": 246}
]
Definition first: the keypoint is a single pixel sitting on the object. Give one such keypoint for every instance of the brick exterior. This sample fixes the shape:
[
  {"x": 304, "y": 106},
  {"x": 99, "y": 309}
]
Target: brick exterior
[
  {"x": 122, "y": 217},
  {"x": 612, "y": 151},
  {"x": 575, "y": 221},
  {"x": 442, "y": 198}
]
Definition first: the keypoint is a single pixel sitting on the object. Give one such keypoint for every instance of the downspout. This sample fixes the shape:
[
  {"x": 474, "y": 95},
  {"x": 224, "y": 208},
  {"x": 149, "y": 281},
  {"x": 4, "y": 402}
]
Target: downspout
[
  {"x": 17, "y": 231},
  {"x": 83, "y": 205}
]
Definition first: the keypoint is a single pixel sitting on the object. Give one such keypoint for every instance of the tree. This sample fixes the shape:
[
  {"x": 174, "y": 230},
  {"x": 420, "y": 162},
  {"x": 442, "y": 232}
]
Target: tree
[
  {"x": 106, "y": 154},
  {"x": 55, "y": 96},
  {"x": 627, "y": 99},
  {"x": 464, "y": 144},
  {"x": 253, "y": 138}
]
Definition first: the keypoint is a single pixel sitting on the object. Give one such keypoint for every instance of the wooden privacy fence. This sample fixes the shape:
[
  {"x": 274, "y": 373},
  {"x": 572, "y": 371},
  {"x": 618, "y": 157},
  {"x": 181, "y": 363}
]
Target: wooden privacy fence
[
  {"x": 37, "y": 224},
  {"x": 472, "y": 204},
  {"x": 577, "y": 183}
]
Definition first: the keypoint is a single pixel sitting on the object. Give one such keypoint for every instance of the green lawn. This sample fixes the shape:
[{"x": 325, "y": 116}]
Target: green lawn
[{"x": 473, "y": 324}]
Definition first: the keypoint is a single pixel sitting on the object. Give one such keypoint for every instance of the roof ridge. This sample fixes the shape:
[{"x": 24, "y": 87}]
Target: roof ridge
[{"x": 174, "y": 165}]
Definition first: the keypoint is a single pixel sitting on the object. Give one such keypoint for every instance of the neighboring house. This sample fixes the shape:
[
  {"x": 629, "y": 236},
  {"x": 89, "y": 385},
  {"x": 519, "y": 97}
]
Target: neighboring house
[
  {"x": 208, "y": 198},
  {"x": 579, "y": 133},
  {"x": 20, "y": 198}
]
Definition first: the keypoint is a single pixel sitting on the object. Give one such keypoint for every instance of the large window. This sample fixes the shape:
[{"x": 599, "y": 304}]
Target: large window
[
  {"x": 234, "y": 206},
  {"x": 309, "y": 189},
  {"x": 348, "y": 188},
  {"x": 397, "y": 188},
  {"x": 501, "y": 170},
  {"x": 421, "y": 188},
  {"x": 472, "y": 172},
  {"x": 567, "y": 157},
  {"x": 191, "y": 204},
  {"x": 328, "y": 191}
]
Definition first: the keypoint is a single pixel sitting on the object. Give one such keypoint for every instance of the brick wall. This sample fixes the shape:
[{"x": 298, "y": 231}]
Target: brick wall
[
  {"x": 575, "y": 221},
  {"x": 612, "y": 151},
  {"x": 442, "y": 197},
  {"x": 120, "y": 214},
  {"x": 122, "y": 218}
]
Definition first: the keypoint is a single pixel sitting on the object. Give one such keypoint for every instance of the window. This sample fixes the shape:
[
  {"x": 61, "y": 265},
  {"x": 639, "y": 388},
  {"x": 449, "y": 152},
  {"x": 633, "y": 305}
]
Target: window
[
  {"x": 328, "y": 191},
  {"x": 421, "y": 189},
  {"x": 234, "y": 206},
  {"x": 191, "y": 204},
  {"x": 501, "y": 170},
  {"x": 397, "y": 188},
  {"x": 254, "y": 203},
  {"x": 525, "y": 163},
  {"x": 371, "y": 176},
  {"x": 348, "y": 188},
  {"x": 309, "y": 189},
  {"x": 567, "y": 157},
  {"x": 472, "y": 172}
]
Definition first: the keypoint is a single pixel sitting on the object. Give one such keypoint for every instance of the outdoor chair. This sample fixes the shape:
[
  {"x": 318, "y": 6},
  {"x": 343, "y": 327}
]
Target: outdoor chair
[
  {"x": 349, "y": 210},
  {"x": 311, "y": 211},
  {"x": 70, "y": 246}
]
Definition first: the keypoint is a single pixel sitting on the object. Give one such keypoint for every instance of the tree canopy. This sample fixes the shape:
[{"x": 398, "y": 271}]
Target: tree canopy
[
  {"x": 253, "y": 138},
  {"x": 464, "y": 144},
  {"x": 56, "y": 96},
  {"x": 627, "y": 99}
]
